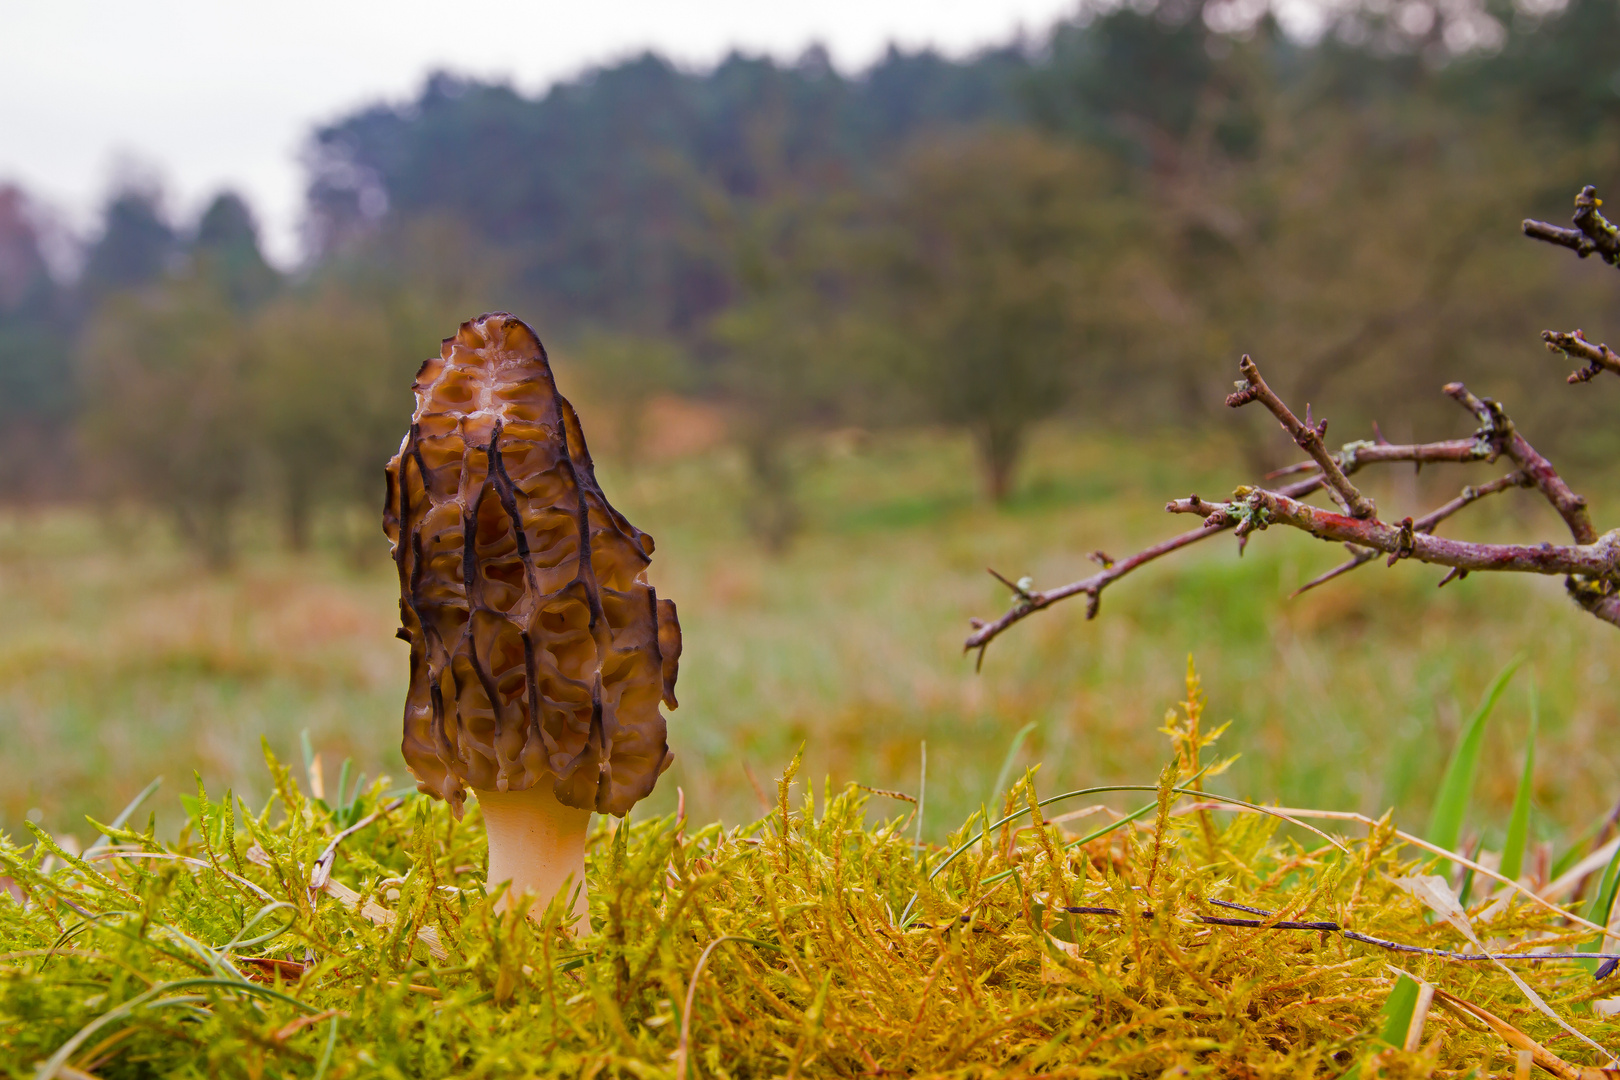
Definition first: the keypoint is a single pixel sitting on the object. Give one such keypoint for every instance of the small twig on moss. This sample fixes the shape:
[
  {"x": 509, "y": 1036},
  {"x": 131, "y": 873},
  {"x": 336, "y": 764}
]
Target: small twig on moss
[
  {"x": 1265, "y": 922},
  {"x": 321, "y": 872},
  {"x": 1268, "y": 921},
  {"x": 691, "y": 995}
]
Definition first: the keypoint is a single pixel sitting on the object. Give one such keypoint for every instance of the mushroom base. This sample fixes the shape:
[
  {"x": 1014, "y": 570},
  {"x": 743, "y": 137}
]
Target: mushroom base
[{"x": 538, "y": 844}]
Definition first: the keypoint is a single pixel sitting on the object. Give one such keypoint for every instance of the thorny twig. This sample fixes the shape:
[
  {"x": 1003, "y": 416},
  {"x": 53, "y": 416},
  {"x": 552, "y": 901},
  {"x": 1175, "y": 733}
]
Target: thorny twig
[
  {"x": 1426, "y": 524},
  {"x": 1504, "y": 439},
  {"x": 1253, "y": 509},
  {"x": 1351, "y": 457},
  {"x": 1591, "y": 565},
  {"x": 1306, "y": 434}
]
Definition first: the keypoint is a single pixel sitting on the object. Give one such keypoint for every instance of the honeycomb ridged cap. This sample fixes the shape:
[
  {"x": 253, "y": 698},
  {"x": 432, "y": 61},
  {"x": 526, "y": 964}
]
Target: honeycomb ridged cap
[{"x": 539, "y": 651}]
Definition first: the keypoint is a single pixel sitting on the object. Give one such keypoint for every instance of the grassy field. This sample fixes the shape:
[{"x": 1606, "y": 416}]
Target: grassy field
[{"x": 120, "y": 660}]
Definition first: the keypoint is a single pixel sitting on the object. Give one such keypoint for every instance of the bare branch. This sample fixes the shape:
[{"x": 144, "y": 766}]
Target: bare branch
[
  {"x": 1307, "y": 435},
  {"x": 1352, "y": 456},
  {"x": 1471, "y": 494},
  {"x": 1498, "y": 430},
  {"x": 1594, "y": 581},
  {"x": 1030, "y": 601},
  {"x": 1591, "y": 564},
  {"x": 1599, "y": 358},
  {"x": 1592, "y": 234},
  {"x": 1260, "y": 509},
  {"x": 1359, "y": 556}
]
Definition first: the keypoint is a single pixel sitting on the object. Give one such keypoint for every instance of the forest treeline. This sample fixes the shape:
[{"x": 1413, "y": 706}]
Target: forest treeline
[{"x": 1093, "y": 222}]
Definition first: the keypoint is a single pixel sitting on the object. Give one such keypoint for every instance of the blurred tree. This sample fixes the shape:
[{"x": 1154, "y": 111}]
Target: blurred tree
[
  {"x": 35, "y": 371},
  {"x": 995, "y": 273},
  {"x": 136, "y": 246},
  {"x": 25, "y": 279},
  {"x": 625, "y": 372},
  {"x": 167, "y": 412},
  {"x": 1328, "y": 208},
  {"x": 784, "y": 344},
  {"x": 333, "y": 363},
  {"x": 1562, "y": 66},
  {"x": 1355, "y": 249},
  {"x": 1139, "y": 79},
  {"x": 227, "y": 250},
  {"x": 332, "y": 383},
  {"x": 599, "y": 192}
]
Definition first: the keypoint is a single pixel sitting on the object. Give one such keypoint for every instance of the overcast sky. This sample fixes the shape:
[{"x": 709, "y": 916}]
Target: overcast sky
[{"x": 214, "y": 93}]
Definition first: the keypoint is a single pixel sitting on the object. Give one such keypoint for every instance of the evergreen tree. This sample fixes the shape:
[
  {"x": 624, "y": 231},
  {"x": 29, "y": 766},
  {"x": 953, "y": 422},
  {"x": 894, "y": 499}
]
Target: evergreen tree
[
  {"x": 136, "y": 247},
  {"x": 227, "y": 249}
]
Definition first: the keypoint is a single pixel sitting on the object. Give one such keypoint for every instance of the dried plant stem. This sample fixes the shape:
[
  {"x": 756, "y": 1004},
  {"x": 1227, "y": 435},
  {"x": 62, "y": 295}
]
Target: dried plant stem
[{"x": 1269, "y": 921}]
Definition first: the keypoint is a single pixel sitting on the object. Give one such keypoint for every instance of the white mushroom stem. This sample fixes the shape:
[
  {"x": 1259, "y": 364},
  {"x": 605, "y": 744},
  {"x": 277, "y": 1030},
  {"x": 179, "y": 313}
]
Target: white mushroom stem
[{"x": 538, "y": 845}]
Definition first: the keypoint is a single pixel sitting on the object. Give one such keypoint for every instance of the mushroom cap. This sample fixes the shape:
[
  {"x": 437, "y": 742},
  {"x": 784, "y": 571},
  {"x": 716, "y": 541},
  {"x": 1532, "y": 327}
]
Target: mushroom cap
[{"x": 539, "y": 652}]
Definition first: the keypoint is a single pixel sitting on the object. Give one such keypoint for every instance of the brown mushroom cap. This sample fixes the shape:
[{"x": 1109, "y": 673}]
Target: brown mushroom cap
[{"x": 539, "y": 652}]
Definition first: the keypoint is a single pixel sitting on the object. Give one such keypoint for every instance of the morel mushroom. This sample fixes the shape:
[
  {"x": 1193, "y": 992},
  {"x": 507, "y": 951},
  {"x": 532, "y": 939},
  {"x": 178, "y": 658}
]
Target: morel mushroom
[{"x": 539, "y": 652}]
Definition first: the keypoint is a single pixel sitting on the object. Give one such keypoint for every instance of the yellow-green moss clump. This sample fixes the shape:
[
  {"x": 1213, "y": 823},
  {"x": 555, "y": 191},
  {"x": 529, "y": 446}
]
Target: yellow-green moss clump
[{"x": 810, "y": 943}]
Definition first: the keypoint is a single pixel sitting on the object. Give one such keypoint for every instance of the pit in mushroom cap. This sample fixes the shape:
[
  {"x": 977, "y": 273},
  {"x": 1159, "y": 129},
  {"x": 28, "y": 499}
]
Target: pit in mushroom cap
[{"x": 539, "y": 651}]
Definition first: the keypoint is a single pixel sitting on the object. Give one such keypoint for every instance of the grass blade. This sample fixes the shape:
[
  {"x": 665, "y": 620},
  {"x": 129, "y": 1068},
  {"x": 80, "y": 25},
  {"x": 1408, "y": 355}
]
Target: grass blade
[
  {"x": 1601, "y": 906},
  {"x": 326, "y": 1055},
  {"x": 1396, "y": 1017},
  {"x": 1518, "y": 834},
  {"x": 1398, "y": 1009},
  {"x": 1576, "y": 850},
  {"x": 1457, "y": 785},
  {"x": 1007, "y": 762},
  {"x": 123, "y": 815},
  {"x": 922, "y": 791}
]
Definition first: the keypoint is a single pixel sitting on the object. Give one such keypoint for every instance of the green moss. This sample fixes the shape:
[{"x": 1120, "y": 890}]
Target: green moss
[{"x": 813, "y": 942}]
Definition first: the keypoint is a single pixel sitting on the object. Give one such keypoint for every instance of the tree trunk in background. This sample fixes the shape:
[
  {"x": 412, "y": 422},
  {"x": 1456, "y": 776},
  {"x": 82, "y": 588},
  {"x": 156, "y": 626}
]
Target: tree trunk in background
[
  {"x": 205, "y": 528},
  {"x": 1000, "y": 446},
  {"x": 215, "y": 535},
  {"x": 297, "y": 521},
  {"x": 773, "y": 512}
]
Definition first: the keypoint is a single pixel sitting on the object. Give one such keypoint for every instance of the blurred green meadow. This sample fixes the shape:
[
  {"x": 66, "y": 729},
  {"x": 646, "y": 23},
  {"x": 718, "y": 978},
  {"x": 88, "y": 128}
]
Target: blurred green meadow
[{"x": 121, "y": 659}]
